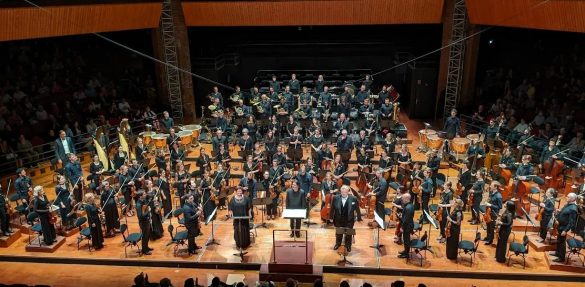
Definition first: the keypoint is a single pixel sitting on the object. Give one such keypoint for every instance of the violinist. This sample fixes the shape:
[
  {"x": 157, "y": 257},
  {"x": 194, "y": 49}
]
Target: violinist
[
  {"x": 311, "y": 167},
  {"x": 203, "y": 161},
  {"x": 221, "y": 177},
  {"x": 477, "y": 192},
  {"x": 248, "y": 185},
  {"x": 505, "y": 222},
  {"x": 380, "y": 191},
  {"x": 547, "y": 207},
  {"x": 389, "y": 143},
  {"x": 160, "y": 160},
  {"x": 152, "y": 199},
  {"x": 258, "y": 155},
  {"x": 144, "y": 220},
  {"x": 96, "y": 169},
  {"x": 246, "y": 143},
  {"x": 120, "y": 158},
  {"x": 140, "y": 150},
  {"x": 444, "y": 208},
  {"x": 269, "y": 182},
  {"x": 63, "y": 200},
  {"x": 4, "y": 216},
  {"x": 172, "y": 138},
  {"x": 165, "y": 191},
  {"x": 126, "y": 185},
  {"x": 240, "y": 206},
  {"x": 177, "y": 155},
  {"x": 181, "y": 180},
  {"x": 344, "y": 211},
  {"x": 93, "y": 219},
  {"x": 23, "y": 186},
  {"x": 279, "y": 156},
  {"x": 495, "y": 204},
  {"x": 455, "y": 219},
  {"x": 223, "y": 157},
  {"x": 42, "y": 207},
  {"x": 416, "y": 178},
  {"x": 137, "y": 172},
  {"x": 205, "y": 187},
  {"x": 426, "y": 188},
  {"x": 250, "y": 166},
  {"x": 110, "y": 209},
  {"x": 567, "y": 220},
  {"x": 73, "y": 173},
  {"x": 465, "y": 182}
]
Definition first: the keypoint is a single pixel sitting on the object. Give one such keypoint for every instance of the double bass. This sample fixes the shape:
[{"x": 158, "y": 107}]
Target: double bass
[{"x": 553, "y": 169}]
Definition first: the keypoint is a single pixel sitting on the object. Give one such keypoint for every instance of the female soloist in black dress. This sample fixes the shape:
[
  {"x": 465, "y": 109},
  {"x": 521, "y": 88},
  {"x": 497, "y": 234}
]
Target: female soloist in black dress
[
  {"x": 505, "y": 229},
  {"x": 41, "y": 207},
  {"x": 455, "y": 218},
  {"x": 108, "y": 203},
  {"x": 93, "y": 219},
  {"x": 156, "y": 215},
  {"x": 241, "y": 205}
]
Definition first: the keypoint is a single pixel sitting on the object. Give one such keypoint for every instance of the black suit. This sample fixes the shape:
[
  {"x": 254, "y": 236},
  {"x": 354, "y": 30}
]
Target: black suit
[
  {"x": 343, "y": 215},
  {"x": 60, "y": 150},
  {"x": 567, "y": 218},
  {"x": 192, "y": 224},
  {"x": 407, "y": 224}
]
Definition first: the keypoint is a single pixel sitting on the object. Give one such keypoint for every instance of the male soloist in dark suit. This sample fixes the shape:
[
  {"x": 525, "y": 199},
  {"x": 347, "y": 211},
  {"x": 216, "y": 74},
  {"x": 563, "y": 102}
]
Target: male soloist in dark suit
[
  {"x": 63, "y": 146},
  {"x": 345, "y": 209},
  {"x": 407, "y": 224}
]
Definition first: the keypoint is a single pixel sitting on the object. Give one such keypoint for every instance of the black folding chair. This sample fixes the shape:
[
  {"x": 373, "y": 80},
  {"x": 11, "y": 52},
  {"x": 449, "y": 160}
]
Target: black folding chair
[
  {"x": 468, "y": 247},
  {"x": 130, "y": 239}
]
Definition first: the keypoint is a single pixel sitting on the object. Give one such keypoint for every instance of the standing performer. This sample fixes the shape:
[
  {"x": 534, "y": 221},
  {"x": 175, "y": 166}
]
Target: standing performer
[
  {"x": 120, "y": 158},
  {"x": 4, "y": 217},
  {"x": 465, "y": 184},
  {"x": 96, "y": 168},
  {"x": 296, "y": 198},
  {"x": 63, "y": 147},
  {"x": 192, "y": 213},
  {"x": 143, "y": 213},
  {"x": 160, "y": 160},
  {"x": 567, "y": 219},
  {"x": 505, "y": 223},
  {"x": 444, "y": 207},
  {"x": 452, "y": 125},
  {"x": 73, "y": 173},
  {"x": 23, "y": 186},
  {"x": 126, "y": 184},
  {"x": 140, "y": 150},
  {"x": 63, "y": 200},
  {"x": 406, "y": 224},
  {"x": 177, "y": 155},
  {"x": 344, "y": 210},
  {"x": 203, "y": 161},
  {"x": 344, "y": 146},
  {"x": 455, "y": 219},
  {"x": 181, "y": 179},
  {"x": 153, "y": 200},
  {"x": 205, "y": 187},
  {"x": 93, "y": 219},
  {"x": 241, "y": 205},
  {"x": 165, "y": 191},
  {"x": 110, "y": 209},
  {"x": 495, "y": 205},
  {"x": 426, "y": 188},
  {"x": 477, "y": 192},
  {"x": 547, "y": 208},
  {"x": 42, "y": 207},
  {"x": 380, "y": 192}
]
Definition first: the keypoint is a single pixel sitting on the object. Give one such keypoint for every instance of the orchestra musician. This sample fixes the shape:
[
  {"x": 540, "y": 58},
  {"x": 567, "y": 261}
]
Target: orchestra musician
[
  {"x": 177, "y": 155},
  {"x": 165, "y": 191},
  {"x": 362, "y": 141},
  {"x": 63, "y": 200},
  {"x": 380, "y": 191},
  {"x": 270, "y": 144},
  {"x": 389, "y": 144},
  {"x": 316, "y": 141},
  {"x": 110, "y": 209},
  {"x": 477, "y": 191},
  {"x": 154, "y": 204},
  {"x": 445, "y": 204},
  {"x": 144, "y": 218},
  {"x": 221, "y": 177},
  {"x": 344, "y": 146},
  {"x": 567, "y": 220},
  {"x": 63, "y": 147},
  {"x": 475, "y": 152},
  {"x": 344, "y": 211},
  {"x": 205, "y": 188},
  {"x": 386, "y": 109},
  {"x": 296, "y": 198},
  {"x": 325, "y": 153},
  {"x": 434, "y": 163},
  {"x": 406, "y": 224},
  {"x": 523, "y": 172},
  {"x": 172, "y": 138},
  {"x": 495, "y": 204},
  {"x": 218, "y": 140},
  {"x": 341, "y": 124},
  {"x": 328, "y": 187},
  {"x": 167, "y": 122},
  {"x": 120, "y": 158},
  {"x": 203, "y": 161},
  {"x": 96, "y": 169},
  {"x": 42, "y": 207},
  {"x": 23, "y": 186},
  {"x": 547, "y": 207},
  {"x": 140, "y": 149},
  {"x": 5, "y": 228},
  {"x": 246, "y": 143},
  {"x": 267, "y": 183},
  {"x": 93, "y": 219},
  {"x": 491, "y": 131},
  {"x": 339, "y": 169},
  {"x": 223, "y": 157},
  {"x": 404, "y": 158},
  {"x": 160, "y": 160},
  {"x": 192, "y": 211},
  {"x": 295, "y": 145},
  {"x": 505, "y": 222},
  {"x": 248, "y": 185},
  {"x": 325, "y": 97},
  {"x": 454, "y": 218},
  {"x": 240, "y": 206},
  {"x": 126, "y": 184},
  {"x": 466, "y": 182},
  {"x": 182, "y": 178},
  {"x": 426, "y": 188},
  {"x": 74, "y": 174},
  {"x": 294, "y": 84},
  {"x": 452, "y": 125}
]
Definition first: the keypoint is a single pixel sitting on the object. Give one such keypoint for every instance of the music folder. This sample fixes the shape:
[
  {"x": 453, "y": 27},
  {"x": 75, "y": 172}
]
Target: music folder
[{"x": 294, "y": 213}]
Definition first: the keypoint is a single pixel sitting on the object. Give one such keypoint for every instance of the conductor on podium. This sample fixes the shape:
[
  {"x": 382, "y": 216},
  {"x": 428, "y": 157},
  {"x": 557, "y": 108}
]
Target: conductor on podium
[{"x": 345, "y": 209}]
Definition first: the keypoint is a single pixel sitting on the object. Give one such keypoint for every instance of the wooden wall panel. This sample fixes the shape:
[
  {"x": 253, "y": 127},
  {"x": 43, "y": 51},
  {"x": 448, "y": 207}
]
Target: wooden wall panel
[
  {"x": 561, "y": 15},
  {"x": 312, "y": 12},
  {"x": 32, "y": 22}
]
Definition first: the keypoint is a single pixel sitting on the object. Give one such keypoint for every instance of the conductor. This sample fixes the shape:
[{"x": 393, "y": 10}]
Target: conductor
[{"x": 345, "y": 209}]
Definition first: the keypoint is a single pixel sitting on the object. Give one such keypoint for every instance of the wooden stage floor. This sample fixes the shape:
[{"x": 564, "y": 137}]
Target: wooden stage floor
[{"x": 365, "y": 260}]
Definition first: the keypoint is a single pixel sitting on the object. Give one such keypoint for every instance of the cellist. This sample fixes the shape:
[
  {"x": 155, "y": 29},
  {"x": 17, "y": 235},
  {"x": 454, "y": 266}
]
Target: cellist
[
  {"x": 495, "y": 204},
  {"x": 523, "y": 172},
  {"x": 329, "y": 189},
  {"x": 547, "y": 158}
]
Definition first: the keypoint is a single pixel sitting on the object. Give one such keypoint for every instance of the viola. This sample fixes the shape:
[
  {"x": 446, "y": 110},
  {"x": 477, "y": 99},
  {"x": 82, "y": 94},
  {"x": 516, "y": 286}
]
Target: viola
[{"x": 487, "y": 217}]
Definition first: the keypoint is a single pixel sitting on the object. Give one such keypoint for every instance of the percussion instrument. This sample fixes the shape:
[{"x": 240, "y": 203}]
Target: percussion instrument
[
  {"x": 475, "y": 137},
  {"x": 160, "y": 140},
  {"x": 424, "y": 133},
  {"x": 434, "y": 141},
  {"x": 194, "y": 129},
  {"x": 147, "y": 137},
  {"x": 460, "y": 145},
  {"x": 185, "y": 137}
]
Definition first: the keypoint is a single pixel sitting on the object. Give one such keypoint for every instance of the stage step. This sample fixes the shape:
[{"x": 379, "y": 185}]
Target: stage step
[
  {"x": 24, "y": 227},
  {"x": 6, "y": 241},
  {"x": 34, "y": 245},
  {"x": 548, "y": 245},
  {"x": 574, "y": 265}
]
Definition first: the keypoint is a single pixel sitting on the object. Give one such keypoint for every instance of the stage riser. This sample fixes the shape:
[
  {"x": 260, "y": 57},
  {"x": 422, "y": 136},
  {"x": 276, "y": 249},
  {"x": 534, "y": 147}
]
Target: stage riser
[
  {"x": 25, "y": 228},
  {"x": 575, "y": 264},
  {"x": 34, "y": 246},
  {"x": 541, "y": 247},
  {"x": 6, "y": 241}
]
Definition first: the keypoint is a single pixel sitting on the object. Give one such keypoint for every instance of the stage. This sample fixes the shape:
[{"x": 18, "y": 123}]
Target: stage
[{"x": 366, "y": 260}]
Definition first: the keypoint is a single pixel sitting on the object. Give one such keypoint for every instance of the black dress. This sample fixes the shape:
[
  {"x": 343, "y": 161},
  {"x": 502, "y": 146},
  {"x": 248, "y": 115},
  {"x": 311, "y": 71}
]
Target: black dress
[
  {"x": 157, "y": 230},
  {"x": 453, "y": 240},
  {"x": 95, "y": 178},
  {"x": 110, "y": 210},
  {"x": 180, "y": 186},
  {"x": 503, "y": 234},
  {"x": 95, "y": 225},
  {"x": 167, "y": 205},
  {"x": 241, "y": 207},
  {"x": 208, "y": 204},
  {"x": 41, "y": 207},
  {"x": 63, "y": 198}
]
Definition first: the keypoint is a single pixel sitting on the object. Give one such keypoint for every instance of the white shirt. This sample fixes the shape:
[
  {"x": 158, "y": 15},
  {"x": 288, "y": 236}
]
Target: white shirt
[
  {"x": 343, "y": 200},
  {"x": 65, "y": 146}
]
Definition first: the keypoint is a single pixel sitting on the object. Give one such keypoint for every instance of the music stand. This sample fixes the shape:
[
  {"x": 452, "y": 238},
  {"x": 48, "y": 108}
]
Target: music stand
[
  {"x": 308, "y": 222},
  {"x": 289, "y": 213},
  {"x": 261, "y": 202},
  {"x": 433, "y": 223},
  {"x": 211, "y": 218},
  {"x": 345, "y": 231},
  {"x": 241, "y": 253},
  {"x": 381, "y": 225}
]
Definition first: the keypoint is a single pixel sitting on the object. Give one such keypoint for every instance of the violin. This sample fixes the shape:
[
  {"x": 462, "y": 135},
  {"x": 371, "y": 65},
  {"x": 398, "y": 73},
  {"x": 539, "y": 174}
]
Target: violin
[
  {"x": 487, "y": 217},
  {"x": 448, "y": 229}
]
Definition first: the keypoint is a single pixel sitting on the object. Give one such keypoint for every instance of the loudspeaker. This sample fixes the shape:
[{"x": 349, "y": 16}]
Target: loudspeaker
[{"x": 423, "y": 86}]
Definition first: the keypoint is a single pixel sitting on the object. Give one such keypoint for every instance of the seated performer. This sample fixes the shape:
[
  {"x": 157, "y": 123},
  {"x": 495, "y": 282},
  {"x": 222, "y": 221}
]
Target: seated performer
[
  {"x": 240, "y": 206},
  {"x": 344, "y": 211}
]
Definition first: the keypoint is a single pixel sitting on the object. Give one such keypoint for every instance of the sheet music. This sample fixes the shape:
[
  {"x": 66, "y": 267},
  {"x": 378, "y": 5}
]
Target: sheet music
[{"x": 294, "y": 213}]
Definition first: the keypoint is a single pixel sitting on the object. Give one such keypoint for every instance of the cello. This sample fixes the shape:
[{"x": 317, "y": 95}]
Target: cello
[{"x": 553, "y": 169}]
